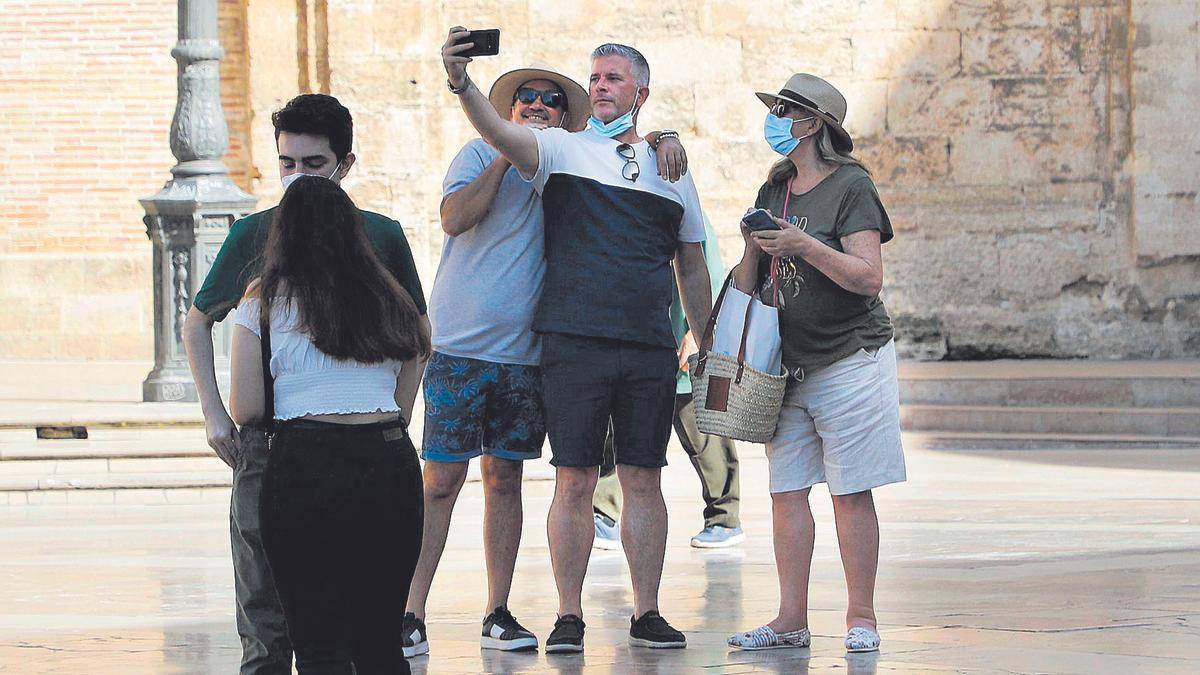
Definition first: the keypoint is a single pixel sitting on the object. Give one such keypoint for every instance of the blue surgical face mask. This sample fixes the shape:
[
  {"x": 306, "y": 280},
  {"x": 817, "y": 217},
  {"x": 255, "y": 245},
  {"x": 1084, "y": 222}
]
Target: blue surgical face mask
[
  {"x": 616, "y": 127},
  {"x": 778, "y": 132},
  {"x": 293, "y": 177}
]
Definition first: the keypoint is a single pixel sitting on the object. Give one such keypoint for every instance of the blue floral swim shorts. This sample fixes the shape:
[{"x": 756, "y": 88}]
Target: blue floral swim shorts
[{"x": 475, "y": 407}]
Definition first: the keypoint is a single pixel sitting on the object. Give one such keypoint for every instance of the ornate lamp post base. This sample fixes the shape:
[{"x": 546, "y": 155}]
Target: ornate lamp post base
[
  {"x": 186, "y": 222},
  {"x": 189, "y": 218}
]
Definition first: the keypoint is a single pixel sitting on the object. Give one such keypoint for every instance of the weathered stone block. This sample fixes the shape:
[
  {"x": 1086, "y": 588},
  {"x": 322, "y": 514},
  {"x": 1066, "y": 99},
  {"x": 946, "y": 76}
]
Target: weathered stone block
[
  {"x": 954, "y": 270},
  {"x": 737, "y": 18},
  {"x": 669, "y": 107},
  {"x": 925, "y": 106},
  {"x": 891, "y": 54},
  {"x": 588, "y": 17},
  {"x": 866, "y": 108},
  {"x": 1035, "y": 265},
  {"x": 727, "y": 111},
  {"x": 401, "y": 80},
  {"x": 1022, "y": 102},
  {"x": 844, "y": 16},
  {"x": 766, "y": 68},
  {"x": 685, "y": 60},
  {"x": 972, "y": 15},
  {"x": 991, "y": 158},
  {"x": 1011, "y": 52},
  {"x": 1165, "y": 225},
  {"x": 907, "y": 160}
]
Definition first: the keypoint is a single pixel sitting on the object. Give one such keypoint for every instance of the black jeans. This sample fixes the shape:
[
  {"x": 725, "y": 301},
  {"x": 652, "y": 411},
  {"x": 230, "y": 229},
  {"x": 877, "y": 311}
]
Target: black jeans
[{"x": 341, "y": 513}]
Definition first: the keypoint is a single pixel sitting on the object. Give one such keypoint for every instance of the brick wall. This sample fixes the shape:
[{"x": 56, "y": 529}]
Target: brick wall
[{"x": 87, "y": 92}]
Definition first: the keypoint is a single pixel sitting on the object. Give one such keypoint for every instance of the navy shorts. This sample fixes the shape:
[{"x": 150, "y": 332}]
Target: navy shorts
[
  {"x": 475, "y": 407},
  {"x": 589, "y": 381}
]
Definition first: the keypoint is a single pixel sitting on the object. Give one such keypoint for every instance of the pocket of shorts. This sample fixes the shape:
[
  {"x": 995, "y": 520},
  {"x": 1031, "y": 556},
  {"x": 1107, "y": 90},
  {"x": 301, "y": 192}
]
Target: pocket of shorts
[{"x": 872, "y": 353}]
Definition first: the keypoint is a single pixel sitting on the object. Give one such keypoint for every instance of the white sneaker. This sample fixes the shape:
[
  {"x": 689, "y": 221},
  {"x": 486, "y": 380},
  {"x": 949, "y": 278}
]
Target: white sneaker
[
  {"x": 717, "y": 536},
  {"x": 608, "y": 534}
]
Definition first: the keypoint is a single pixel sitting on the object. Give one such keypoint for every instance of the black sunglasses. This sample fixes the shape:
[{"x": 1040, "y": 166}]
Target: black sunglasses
[
  {"x": 631, "y": 170},
  {"x": 550, "y": 99}
]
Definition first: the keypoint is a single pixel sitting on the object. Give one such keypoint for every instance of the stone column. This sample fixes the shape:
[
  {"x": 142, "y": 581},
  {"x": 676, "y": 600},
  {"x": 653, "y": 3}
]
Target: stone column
[{"x": 189, "y": 218}]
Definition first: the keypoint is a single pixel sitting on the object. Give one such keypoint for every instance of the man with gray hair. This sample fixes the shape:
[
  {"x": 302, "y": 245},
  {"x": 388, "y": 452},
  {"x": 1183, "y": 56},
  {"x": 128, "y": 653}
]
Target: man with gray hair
[{"x": 608, "y": 351}]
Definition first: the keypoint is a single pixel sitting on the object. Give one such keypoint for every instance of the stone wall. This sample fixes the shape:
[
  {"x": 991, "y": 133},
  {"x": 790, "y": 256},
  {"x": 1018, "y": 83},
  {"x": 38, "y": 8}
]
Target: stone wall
[{"x": 1036, "y": 156}]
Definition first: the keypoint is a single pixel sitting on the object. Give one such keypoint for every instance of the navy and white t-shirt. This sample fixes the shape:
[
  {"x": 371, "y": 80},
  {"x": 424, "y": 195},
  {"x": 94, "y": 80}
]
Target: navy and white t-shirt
[{"x": 609, "y": 241}]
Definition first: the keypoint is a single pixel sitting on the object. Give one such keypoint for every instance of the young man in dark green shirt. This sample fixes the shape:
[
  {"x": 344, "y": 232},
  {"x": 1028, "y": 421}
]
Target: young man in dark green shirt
[{"x": 313, "y": 134}]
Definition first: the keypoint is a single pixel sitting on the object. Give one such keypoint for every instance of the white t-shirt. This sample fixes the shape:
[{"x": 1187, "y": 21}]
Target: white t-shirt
[{"x": 309, "y": 381}]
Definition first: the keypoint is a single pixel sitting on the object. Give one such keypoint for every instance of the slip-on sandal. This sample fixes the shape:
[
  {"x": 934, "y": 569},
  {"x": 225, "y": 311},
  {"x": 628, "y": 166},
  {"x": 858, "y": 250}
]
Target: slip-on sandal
[
  {"x": 764, "y": 637},
  {"x": 862, "y": 639}
]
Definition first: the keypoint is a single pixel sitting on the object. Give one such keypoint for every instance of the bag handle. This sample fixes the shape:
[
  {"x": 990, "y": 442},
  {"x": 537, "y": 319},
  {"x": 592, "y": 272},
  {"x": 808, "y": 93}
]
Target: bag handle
[
  {"x": 707, "y": 340},
  {"x": 264, "y": 324},
  {"x": 775, "y": 259}
]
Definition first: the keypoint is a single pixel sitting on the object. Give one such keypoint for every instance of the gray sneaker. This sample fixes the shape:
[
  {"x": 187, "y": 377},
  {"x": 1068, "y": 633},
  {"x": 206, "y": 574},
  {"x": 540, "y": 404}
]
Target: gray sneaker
[{"x": 716, "y": 536}]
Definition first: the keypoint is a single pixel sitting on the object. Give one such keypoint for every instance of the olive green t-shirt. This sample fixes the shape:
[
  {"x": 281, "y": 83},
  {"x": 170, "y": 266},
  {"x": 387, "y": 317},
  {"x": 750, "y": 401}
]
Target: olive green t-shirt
[
  {"x": 820, "y": 321},
  {"x": 240, "y": 260}
]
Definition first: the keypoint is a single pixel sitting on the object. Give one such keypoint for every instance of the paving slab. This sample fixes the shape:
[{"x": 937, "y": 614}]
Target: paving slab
[{"x": 1004, "y": 562}]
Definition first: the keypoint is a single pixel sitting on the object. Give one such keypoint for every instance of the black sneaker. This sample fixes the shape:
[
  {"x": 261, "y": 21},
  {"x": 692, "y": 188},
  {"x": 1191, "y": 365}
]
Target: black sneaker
[
  {"x": 654, "y": 632},
  {"x": 502, "y": 631},
  {"x": 567, "y": 635},
  {"x": 416, "y": 640}
]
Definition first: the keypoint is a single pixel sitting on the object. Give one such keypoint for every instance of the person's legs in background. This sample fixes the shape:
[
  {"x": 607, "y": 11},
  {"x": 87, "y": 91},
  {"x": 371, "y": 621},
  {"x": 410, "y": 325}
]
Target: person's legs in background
[
  {"x": 266, "y": 649},
  {"x": 716, "y": 463},
  {"x": 607, "y": 501}
]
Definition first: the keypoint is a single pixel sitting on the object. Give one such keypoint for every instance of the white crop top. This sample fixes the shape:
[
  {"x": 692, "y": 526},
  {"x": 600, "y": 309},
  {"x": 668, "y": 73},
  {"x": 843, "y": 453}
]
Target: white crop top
[{"x": 311, "y": 382}]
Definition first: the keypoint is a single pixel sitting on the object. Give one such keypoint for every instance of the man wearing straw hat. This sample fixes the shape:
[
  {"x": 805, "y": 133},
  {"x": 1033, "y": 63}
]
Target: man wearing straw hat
[
  {"x": 483, "y": 382},
  {"x": 612, "y": 234}
]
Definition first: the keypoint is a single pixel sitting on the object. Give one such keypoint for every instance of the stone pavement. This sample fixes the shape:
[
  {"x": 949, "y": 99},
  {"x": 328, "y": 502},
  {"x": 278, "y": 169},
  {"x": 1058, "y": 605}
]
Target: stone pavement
[{"x": 1047, "y": 561}]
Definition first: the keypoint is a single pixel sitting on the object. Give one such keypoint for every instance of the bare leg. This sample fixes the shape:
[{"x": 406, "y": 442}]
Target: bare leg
[
  {"x": 570, "y": 530},
  {"x": 794, "y": 537},
  {"x": 858, "y": 540},
  {"x": 501, "y": 525},
  {"x": 643, "y": 532},
  {"x": 443, "y": 480}
]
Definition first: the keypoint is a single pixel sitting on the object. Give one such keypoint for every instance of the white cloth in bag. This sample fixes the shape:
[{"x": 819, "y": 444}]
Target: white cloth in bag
[{"x": 764, "y": 346}]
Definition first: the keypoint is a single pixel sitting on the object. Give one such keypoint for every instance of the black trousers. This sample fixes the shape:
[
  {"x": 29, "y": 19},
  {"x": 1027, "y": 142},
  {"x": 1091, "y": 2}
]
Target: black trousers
[{"x": 341, "y": 511}]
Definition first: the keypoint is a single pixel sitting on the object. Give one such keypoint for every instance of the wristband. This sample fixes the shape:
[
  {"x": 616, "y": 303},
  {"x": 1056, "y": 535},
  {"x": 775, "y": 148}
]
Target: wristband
[
  {"x": 665, "y": 133},
  {"x": 458, "y": 92}
]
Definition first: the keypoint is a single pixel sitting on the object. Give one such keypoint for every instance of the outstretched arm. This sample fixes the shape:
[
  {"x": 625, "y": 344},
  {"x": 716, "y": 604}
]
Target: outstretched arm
[{"x": 513, "y": 141}]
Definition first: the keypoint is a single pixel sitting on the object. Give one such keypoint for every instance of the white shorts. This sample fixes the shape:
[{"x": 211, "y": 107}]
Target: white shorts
[{"x": 840, "y": 426}]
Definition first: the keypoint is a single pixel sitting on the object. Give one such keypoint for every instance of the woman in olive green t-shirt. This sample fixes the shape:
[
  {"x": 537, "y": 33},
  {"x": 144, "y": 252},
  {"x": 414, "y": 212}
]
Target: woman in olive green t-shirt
[{"x": 840, "y": 422}]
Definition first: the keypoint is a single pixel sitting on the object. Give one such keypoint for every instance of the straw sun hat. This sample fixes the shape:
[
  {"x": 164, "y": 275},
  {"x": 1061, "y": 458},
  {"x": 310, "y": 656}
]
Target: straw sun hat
[
  {"x": 578, "y": 106},
  {"x": 823, "y": 99}
]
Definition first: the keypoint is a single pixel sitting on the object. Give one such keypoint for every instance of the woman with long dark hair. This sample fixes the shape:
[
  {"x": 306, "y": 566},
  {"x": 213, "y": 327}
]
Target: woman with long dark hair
[
  {"x": 341, "y": 509},
  {"x": 840, "y": 422}
]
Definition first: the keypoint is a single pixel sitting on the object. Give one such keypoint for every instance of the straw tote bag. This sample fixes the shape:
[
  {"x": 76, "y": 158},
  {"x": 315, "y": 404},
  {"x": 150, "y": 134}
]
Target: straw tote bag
[{"x": 732, "y": 398}]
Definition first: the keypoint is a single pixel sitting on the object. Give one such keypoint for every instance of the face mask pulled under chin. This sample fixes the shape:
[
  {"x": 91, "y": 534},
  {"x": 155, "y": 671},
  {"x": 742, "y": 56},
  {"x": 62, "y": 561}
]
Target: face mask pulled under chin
[
  {"x": 616, "y": 127},
  {"x": 293, "y": 177}
]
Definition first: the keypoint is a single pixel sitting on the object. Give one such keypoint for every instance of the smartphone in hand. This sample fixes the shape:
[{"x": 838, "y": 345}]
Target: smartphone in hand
[
  {"x": 486, "y": 42},
  {"x": 759, "y": 220}
]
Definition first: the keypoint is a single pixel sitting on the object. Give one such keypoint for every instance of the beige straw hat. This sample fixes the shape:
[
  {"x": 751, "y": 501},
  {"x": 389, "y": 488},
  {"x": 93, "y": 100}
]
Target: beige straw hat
[
  {"x": 813, "y": 93},
  {"x": 579, "y": 108}
]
